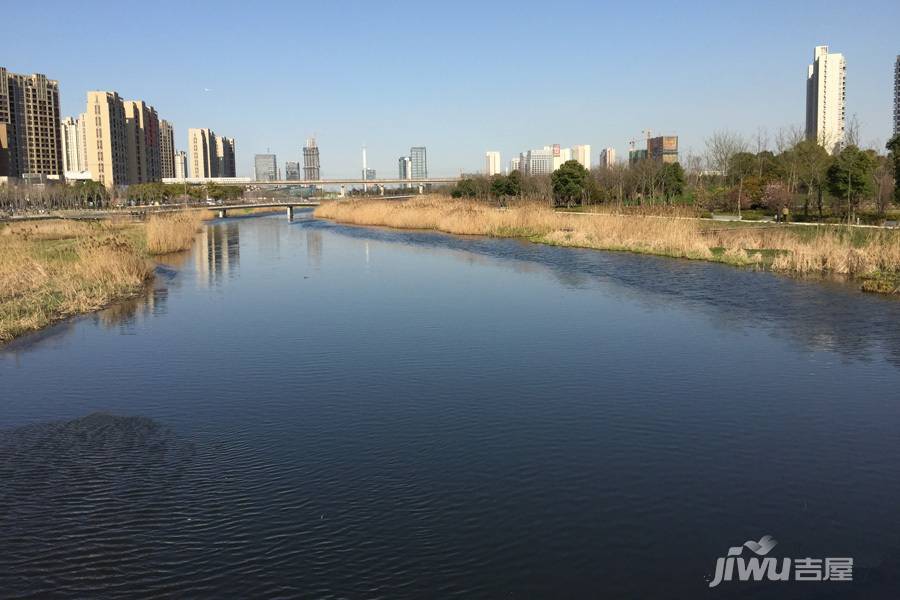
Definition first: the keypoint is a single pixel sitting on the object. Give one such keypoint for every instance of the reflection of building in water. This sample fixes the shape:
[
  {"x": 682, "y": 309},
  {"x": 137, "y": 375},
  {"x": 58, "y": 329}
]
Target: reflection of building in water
[
  {"x": 217, "y": 253},
  {"x": 314, "y": 248}
]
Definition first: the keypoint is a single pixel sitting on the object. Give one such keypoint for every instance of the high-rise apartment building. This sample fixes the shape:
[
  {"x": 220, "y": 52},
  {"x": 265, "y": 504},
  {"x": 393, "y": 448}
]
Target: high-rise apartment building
[
  {"x": 825, "y": 97},
  {"x": 404, "y": 170},
  {"x": 142, "y": 140},
  {"x": 491, "y": 163},
  {"x": 181, "y": 165},
  {"x": 265, "y": 167},
  {"x": 560, "y": 156},
  {"x": 582, "y": 153},
  {"x": 515, "y": 164},
  {"x": 106, "y": 149},
  {"x": 663, "y": 148},
  {"x": 4, "y": 151},
  {"x": 166, "y": 149},
  {"x": 897, "y": 96},
  {"x": 29, "y": 106},
  {"x": 292, "y": 171},
  {"x": 225, "y": 163},
  {"x": 607, "y": 157},
  {"x": 418, "y": 162},
  {"x": 72, "y": 145},
  {"x": 202, "y": 153},
  {"x": 311, "y": 171}
]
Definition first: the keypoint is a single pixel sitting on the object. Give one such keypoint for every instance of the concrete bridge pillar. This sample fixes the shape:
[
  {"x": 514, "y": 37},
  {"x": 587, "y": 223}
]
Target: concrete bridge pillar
[
  {"x": 222, "y": 213},
  {"x": 343, "y": 192},
  {"x": 381, "y": 190},
  {"x": 421, "y": 188},
  {"x": 290, "y": 213}
]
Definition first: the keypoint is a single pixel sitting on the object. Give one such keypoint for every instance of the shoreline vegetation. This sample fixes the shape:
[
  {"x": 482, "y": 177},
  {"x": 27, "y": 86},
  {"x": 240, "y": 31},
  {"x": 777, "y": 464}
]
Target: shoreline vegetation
[
  {"x": 55, "y": 269},
  {"x": 870, "y": 257}
]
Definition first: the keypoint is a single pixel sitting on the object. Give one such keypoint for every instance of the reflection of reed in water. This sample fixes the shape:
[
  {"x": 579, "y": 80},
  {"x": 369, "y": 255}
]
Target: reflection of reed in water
[
  {"x": 127, "y": 314},
  {"x": 217, "y": 253},
  {"x": 314, "y": 248}
]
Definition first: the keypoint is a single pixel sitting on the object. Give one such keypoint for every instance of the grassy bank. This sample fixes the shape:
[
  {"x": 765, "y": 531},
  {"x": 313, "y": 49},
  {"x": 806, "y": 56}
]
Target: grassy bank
[
  {"x": 50, "y": 270},
  {"x": 872, "y": 256}
]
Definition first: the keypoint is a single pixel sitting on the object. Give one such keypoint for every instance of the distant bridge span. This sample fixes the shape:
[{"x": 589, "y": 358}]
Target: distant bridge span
[{"x": 312, "y": 182}]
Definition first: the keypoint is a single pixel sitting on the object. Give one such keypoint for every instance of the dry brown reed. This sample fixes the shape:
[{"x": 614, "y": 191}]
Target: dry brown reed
[{"x": 173, "y": 232}]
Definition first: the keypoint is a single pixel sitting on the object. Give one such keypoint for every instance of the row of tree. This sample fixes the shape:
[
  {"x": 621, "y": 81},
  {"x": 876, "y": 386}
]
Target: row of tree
[
  {"x": 91, "y": 194},
  {"x": 801, "y": 177}
]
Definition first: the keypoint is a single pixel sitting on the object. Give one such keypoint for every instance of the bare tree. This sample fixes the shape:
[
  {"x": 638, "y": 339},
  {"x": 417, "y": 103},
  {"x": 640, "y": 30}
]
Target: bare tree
[
  {"x": 720, "y": 151},
  {"x": 851, "y": 133}
]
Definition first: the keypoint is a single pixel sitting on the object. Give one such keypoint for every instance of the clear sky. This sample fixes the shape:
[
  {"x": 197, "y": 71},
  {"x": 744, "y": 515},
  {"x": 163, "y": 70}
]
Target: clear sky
[{"x": 458, "y": 77}]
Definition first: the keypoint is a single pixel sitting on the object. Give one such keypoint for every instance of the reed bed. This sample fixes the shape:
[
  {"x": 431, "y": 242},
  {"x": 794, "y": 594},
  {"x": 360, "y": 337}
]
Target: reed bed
[
  {"x": 55, "y": 269},
  {"x": 173, "y": 232},
  {"x": 820, "y": 250}
]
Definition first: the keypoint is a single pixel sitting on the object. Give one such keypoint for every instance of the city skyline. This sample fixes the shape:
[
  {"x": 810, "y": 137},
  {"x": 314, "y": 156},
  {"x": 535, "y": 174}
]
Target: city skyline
[{"x": 604, "y": 102}]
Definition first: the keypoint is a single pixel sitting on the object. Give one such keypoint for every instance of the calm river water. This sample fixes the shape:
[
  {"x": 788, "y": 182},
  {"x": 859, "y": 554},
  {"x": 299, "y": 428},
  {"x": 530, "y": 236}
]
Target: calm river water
[{"x": 311, "y": 410}]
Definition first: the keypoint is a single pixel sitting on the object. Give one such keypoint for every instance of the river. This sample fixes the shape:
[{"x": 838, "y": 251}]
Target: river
[{"x": 308, "y": 409}]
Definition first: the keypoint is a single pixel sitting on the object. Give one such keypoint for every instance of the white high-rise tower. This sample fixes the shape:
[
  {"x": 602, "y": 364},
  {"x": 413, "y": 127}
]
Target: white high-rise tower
[
  {"x": 491, "y": 163},
  {"x": 825, "y": 97}
]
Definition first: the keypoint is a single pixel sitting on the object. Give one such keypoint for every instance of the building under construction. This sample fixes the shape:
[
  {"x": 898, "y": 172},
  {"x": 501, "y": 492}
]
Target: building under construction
[{"x": 311, "y": 161}]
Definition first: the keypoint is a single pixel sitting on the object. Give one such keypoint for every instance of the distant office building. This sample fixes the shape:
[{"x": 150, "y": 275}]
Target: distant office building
[
  {"x": 419, "y": 162},
  {"x": 4, "y": 151},
  {"x": 166, "y": 149},
  {"x": 311, "y": 167},
  {"x": 404, "y": 170},
  {"x": 663, "y": 148},
  {"x": 636, "y": 155},
  {"x": 142, "y": 140},
  {"x": 225, "y": 163},
  {"x": 265, "y": 167},
  {"x": 560, "y": 156},
  {"x": 897, "y": 96},
  {"x": 491, "y": 163},
  {"x": 181, "y": 165},
  {"x": 607, "y": 157},
  {"x": 539, "y": 162},
  {"x": 72, "y": 145},
  {"x": 292, "y": 170},
  {"x": 29, "y": 106},
  {"x": 106, "y": 139},
  {"x": 514, "y": 164},
  {"x": 825, "y": 96},
  {"x": 368, "y": 174},
  {"x": 582, "y": 153}
]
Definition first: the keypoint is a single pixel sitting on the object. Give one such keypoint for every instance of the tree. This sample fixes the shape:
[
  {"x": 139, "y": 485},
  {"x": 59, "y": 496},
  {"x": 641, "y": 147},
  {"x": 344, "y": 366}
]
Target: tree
[
  {"x": 812, "y": 168},
  {"x": 672, "y": 180},
  {"x": 850, "y": 177},
  {"x": 569, "y": 182},
  {"x": 894, "y": 147},
  {"x": 465, "y": 188},
  {"x": 721, "y": 149}
]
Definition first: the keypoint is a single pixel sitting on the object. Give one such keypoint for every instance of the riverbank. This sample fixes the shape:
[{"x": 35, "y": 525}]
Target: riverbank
[
  {"x": 51, "y": 270},
  {"x": 871, "y": 257}
]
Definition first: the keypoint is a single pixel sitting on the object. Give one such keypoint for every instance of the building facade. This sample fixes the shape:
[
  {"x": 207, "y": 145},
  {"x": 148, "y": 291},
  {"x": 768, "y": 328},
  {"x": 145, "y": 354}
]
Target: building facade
[
  {"x": 663, "y": 148},
  {"x": 539, "y": 162},
  {"x": 515, "y": 164},
  {"x": 825, "y": 97},
  {"x": 265, "y": 167},
  {"x": 106, "y": 148},
  {"x": 166, "y": 149},
  {"x": 73, "y": 148},
  {"x": 29, "y": 106},
  {"x": 582, "y": 153},
  {"x": 142, "y": 139},
  {"x": 4, "y": 151},
  {"x": 292, "y": 171},
  {"x": 311, "y": 167},
  {"x": 226, "y": 166},
  {"x": 897, "y": 96},
  {"x": 418, "y": 158},
  {"x": 560, "y": 156},
  {"x": 607, "y": 157},
  {"x": 636, "y": 155},
  {"x": 492, "y": 163},
  {"x": 404, "y": 168},
  {"x": 202, "y": 153},
  {"x": 181, "y": 164}
]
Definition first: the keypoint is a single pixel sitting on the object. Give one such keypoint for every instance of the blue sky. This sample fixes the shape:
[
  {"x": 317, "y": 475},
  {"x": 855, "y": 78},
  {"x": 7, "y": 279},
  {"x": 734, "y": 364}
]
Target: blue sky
[{"x": 458, "y": 77}]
